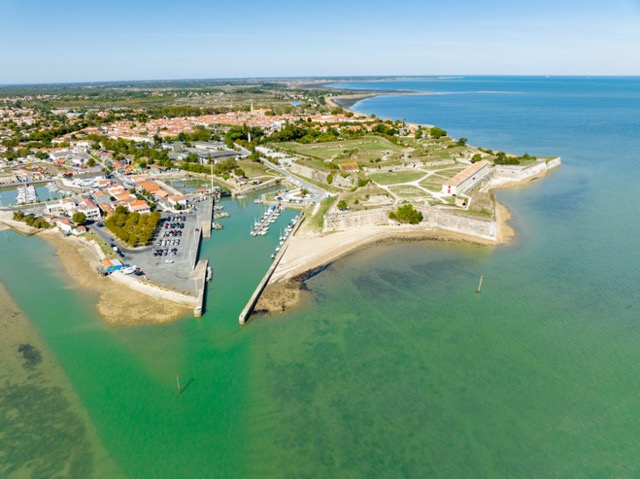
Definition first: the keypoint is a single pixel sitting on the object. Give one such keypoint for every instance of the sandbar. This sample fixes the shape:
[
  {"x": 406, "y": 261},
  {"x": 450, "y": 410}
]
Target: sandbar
[{"x": 118, "y": 303}]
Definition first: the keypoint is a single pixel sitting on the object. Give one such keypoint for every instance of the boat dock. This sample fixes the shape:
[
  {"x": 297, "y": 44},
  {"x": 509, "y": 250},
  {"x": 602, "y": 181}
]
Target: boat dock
[
  {"x": 208, "y": 215},
  {"x": 200, "y": 278},
  {"x": 16, "y": 184},
  {"x": 248, "y": 309}
]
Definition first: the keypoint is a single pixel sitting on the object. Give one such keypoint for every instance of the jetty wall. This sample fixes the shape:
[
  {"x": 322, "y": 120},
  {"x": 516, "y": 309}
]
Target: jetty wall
[
  {"x": 248, "y": 309},
  {"x": 152, "y": 290}
]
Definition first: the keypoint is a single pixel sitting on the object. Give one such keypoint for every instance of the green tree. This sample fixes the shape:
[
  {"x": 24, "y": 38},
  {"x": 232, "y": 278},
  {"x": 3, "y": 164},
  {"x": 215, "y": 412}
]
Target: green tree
[
  {"x": 362, "y": 182},
  {"x": 406, "y": 214},
  {"x": 79, "y": 218},
  {"x": 437, "y": 132},
  {"x": 462, "y": 141},
  {"x": 342, "y": 205}
]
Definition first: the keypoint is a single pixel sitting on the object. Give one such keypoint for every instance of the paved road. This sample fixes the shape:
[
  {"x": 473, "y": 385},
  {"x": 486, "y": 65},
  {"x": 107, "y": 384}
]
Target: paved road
[{"x": 315, "y": 193}]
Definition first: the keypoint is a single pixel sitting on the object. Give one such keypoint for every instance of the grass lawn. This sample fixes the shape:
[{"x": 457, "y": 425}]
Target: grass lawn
[
  {"x": 449, "y": 173},
  {"x": 316, "y": 221},
  {"x": 369, "y": 147},
  {"x": 432, "y": 184},
  {"x": 440, "y": 154},
  {"x": 407, "y": 191},
  {"x": 396, "y": 177},
  {"x": 443, "y": 166},
  {"x": 253, "y": 168}
]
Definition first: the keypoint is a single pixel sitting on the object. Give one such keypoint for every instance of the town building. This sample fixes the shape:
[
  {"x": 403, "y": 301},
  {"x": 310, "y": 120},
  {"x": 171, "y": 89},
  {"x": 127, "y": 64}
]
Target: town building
[{"x": 467, "y": 178}]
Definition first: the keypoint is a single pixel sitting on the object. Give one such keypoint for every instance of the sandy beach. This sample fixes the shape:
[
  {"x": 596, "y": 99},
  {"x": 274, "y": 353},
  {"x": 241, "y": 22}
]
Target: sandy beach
[
  {"x": 308, "y": 252},
  {"x": 346, "y": 101},
  {"x": 118, "y": 304},
  {"x": 122, "y": 300}
]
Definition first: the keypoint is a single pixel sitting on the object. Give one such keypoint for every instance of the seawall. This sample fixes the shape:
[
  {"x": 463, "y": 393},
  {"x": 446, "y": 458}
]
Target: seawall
[
  {"x": 248, "y": 309},
  {"x": 436, "y": 218}
]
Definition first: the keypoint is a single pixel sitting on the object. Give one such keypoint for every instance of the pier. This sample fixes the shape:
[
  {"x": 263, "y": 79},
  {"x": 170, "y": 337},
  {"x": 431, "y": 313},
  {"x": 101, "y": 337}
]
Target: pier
[
  {"x": 248, "y": 309},
  {"x": 205, "y": 225},
  {"x": 200, "y": 278},
  {"x": 16, "y": 184}
]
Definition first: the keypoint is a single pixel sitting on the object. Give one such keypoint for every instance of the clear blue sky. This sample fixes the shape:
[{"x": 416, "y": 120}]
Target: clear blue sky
[{"x": 70, "y": 40}]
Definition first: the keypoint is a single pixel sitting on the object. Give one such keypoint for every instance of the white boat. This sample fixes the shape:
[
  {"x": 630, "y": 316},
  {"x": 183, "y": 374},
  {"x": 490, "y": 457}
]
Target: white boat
[
  {"x": 209, "y": 273},
  {"x": 129, "y": 269}
]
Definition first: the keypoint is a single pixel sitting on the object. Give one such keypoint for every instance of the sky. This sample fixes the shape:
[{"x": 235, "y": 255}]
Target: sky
[{"x": 44, "y": 41}]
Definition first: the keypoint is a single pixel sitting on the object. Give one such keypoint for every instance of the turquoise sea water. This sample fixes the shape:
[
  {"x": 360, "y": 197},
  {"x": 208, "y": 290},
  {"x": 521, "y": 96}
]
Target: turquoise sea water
[{"x": 396, "y": 367}]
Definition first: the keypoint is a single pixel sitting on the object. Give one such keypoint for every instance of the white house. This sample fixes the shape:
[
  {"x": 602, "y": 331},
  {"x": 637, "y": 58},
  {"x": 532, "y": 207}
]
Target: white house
[
  {"x": 177, "y": 200},
  {"x": 467, "y": 178}
]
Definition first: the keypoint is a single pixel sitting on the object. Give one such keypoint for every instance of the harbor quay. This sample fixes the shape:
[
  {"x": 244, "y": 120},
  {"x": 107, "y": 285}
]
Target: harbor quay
[{"x": 170, "y": 261}]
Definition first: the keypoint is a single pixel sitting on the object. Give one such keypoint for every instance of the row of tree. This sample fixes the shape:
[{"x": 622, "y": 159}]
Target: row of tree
[
  {"x": 133, "y": 228},
  {"x": 31, "y": 220}
]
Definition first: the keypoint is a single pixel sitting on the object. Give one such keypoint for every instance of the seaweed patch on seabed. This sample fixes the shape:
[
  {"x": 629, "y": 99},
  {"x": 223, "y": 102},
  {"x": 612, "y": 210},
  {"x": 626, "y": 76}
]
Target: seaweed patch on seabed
[
  {"x": 31, "y": 355},
  {"x": 304, "y": 277},
  {"x": 41, "y": 436}
]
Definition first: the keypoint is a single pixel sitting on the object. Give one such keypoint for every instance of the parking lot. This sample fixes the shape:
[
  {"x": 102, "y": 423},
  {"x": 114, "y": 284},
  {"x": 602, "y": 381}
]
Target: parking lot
[
  {"x": 169, "y": 261},
  {"x": 169, "y": 237}
]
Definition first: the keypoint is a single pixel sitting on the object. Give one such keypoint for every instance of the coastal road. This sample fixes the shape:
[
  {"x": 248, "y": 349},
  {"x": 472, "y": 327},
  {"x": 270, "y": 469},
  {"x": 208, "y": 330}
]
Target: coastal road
[{"x": 315, "y": 194}]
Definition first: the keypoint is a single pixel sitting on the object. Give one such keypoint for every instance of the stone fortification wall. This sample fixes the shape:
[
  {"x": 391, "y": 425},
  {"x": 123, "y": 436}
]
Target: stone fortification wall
[
  {"x": 459, "y": 223},
  {"x": 308, "y": 172},
  {"x": 253, "y": 188},
  {"x": 435, "y": 218},
  {"x": 344, "y": 182},
  {"x": 346, "y": 220},
  {"x": 408, "y": 166},
  {"x": 518, "y": 173}
]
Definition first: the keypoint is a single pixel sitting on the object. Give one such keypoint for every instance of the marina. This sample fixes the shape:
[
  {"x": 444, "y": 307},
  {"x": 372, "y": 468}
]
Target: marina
[
  {"x": 26, "y": 195},
  {"x": 270, "y": 216},
  {"x": 43, "y": 192}
]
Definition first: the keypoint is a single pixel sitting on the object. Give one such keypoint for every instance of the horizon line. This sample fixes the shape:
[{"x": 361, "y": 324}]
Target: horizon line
[{"x": 289, "y": 78}]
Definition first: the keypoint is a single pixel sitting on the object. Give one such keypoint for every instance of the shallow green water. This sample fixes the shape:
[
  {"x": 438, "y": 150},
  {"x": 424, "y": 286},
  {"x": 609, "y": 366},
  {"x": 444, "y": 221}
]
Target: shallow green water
[
  {"x": 396, "y": 367},
  {"x": 126, "y": 377}
]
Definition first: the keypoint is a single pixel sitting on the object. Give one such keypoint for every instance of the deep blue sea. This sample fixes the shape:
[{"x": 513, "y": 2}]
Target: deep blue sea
[{"x": 395, "y": 367}]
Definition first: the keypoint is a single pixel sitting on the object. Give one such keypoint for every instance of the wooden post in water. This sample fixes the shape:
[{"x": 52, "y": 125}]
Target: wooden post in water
[
  {"x": 178, "y": 381},
  {"x": 480, "y": 284}
]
